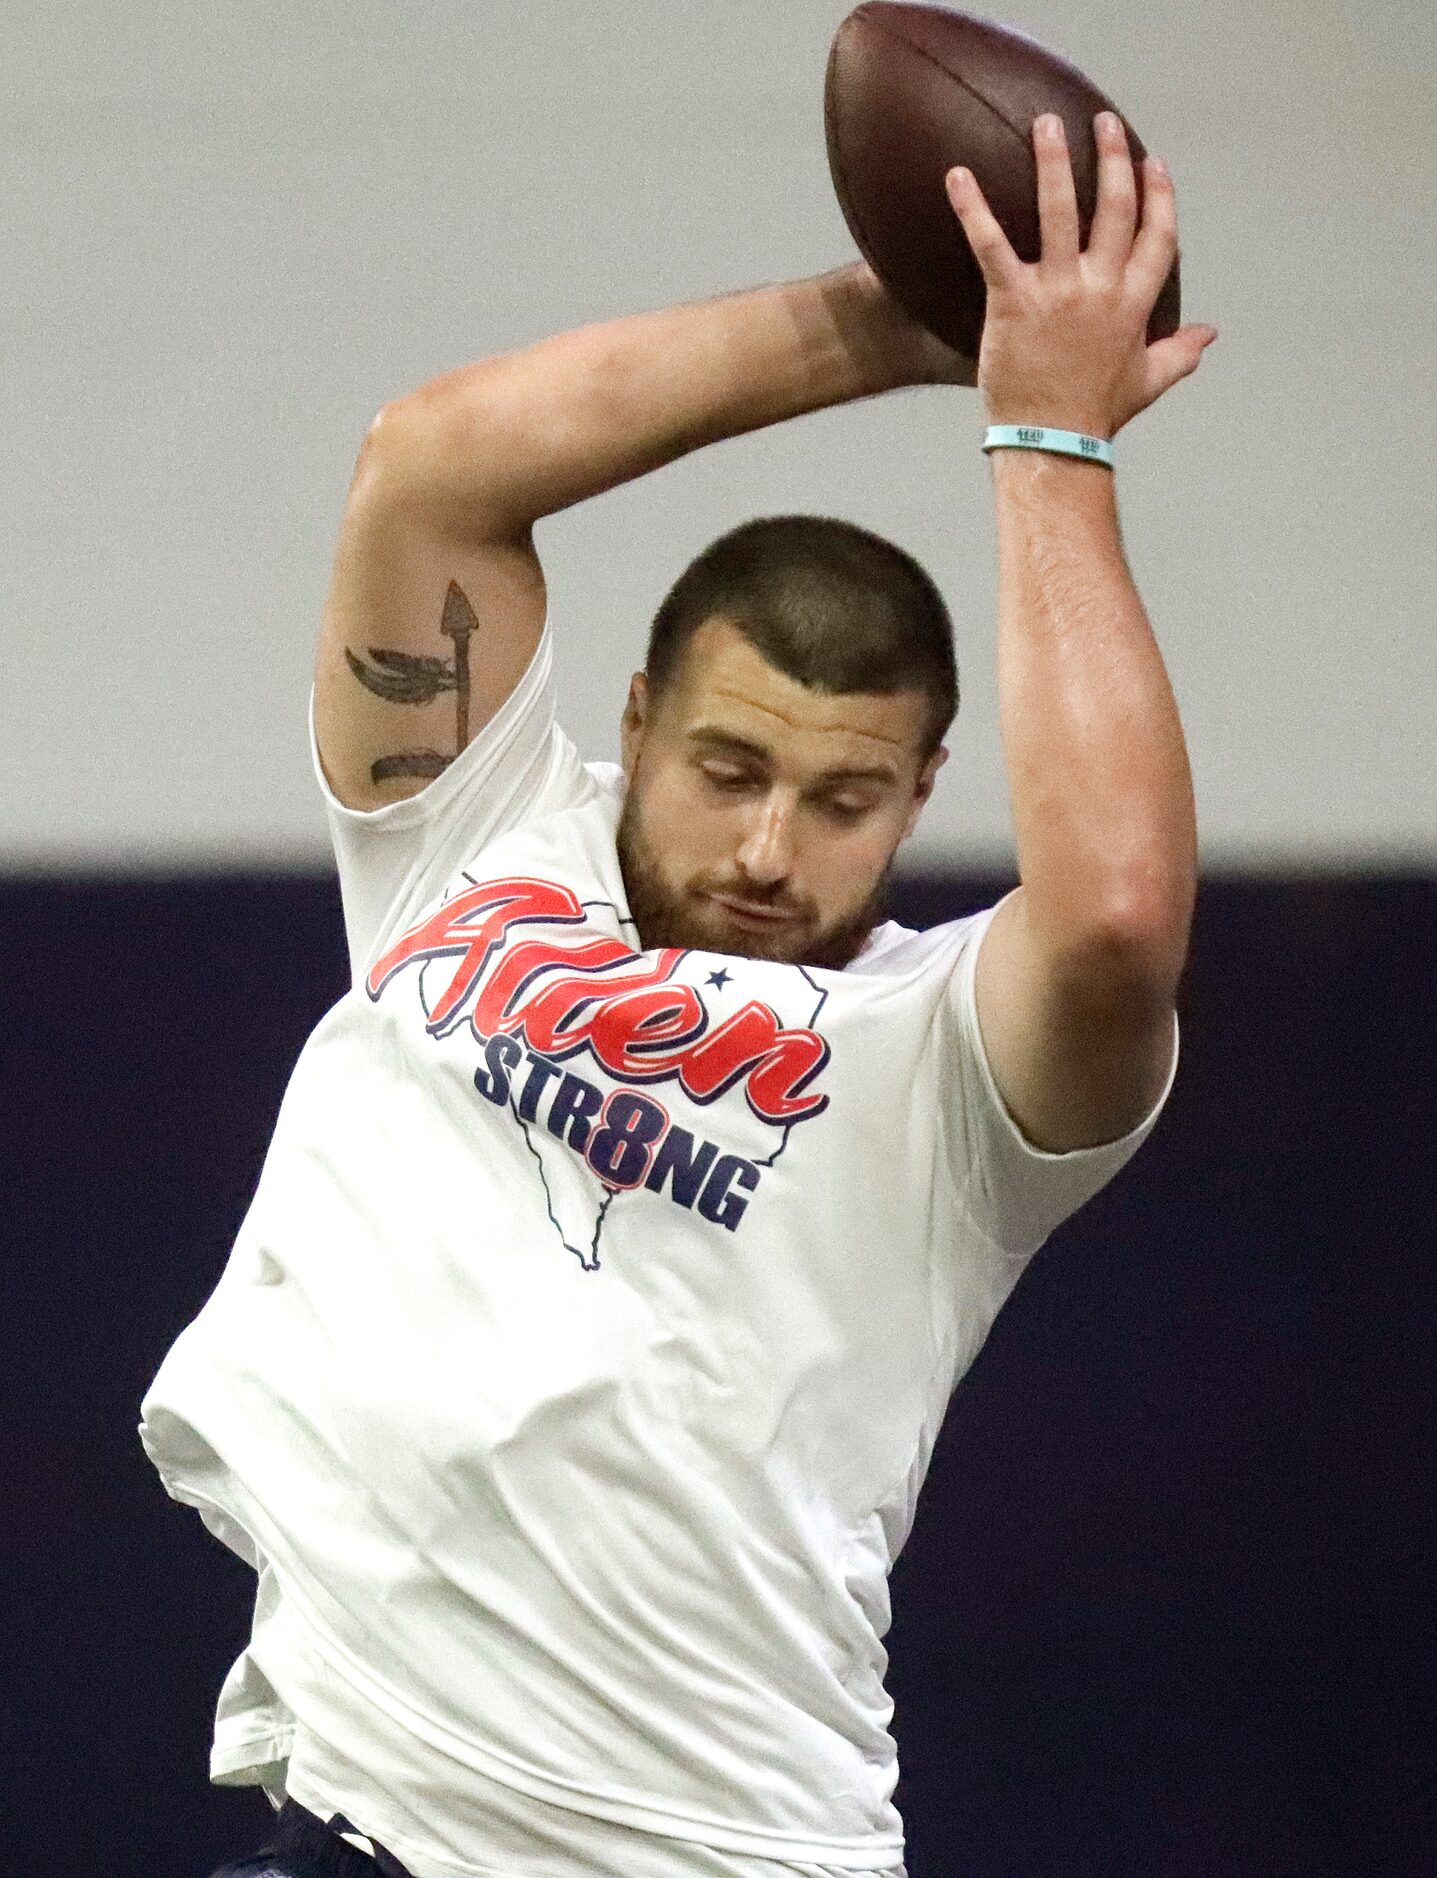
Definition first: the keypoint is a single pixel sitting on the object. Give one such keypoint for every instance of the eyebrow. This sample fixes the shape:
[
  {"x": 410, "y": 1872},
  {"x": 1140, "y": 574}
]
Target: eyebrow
[{"x": 726, "y": 743}]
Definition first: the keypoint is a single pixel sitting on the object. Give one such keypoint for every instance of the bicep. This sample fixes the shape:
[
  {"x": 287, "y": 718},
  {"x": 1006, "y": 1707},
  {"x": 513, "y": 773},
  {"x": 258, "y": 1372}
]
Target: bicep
[
  {"x": 427, "y": 630},
  {"x": 1079, "y": 1054}
]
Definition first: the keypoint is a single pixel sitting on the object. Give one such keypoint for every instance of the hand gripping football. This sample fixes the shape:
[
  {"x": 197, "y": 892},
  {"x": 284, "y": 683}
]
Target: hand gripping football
[{"x": 913, "y": 90}]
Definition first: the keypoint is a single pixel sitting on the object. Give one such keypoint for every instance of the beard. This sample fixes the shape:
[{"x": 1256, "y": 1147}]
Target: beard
[{"x": 685, "y": 916}]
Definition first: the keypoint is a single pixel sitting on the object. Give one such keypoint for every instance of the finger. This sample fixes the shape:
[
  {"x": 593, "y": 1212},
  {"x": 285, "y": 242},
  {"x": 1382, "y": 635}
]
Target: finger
[
  {"x": 1156, "y": 247},
  {"x": 991, "y": 247},
  {"x": 1170, "y": 360},
  {"x": 1057, "y": 197},
  {"x": 1110, "y": 239}
]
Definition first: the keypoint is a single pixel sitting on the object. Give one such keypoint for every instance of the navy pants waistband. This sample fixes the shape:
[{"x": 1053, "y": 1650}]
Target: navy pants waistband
[{"x": 303, "y": 1846}]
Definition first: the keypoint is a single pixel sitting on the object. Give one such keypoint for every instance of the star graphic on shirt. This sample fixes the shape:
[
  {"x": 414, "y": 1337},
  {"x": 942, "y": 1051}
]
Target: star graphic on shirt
[{"x": 718, "y": 979}]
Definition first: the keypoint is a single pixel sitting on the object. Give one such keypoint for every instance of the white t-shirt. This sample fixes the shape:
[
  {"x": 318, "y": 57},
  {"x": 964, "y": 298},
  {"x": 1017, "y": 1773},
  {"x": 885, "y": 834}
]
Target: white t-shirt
[{"x": 576, "y": 1368}]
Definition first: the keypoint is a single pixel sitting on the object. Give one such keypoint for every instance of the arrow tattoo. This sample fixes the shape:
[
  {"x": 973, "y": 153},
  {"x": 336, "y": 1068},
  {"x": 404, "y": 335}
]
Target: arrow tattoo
[
  {"x": 458, "y": 623},
  {"x": 418, "y": 678}
]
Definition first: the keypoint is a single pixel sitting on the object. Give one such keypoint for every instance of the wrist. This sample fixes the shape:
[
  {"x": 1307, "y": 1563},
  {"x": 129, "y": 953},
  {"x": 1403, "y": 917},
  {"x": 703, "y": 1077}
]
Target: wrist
[
  {"x": 1046, "y": 439},
  {"x": 890, "y": 349},
  {"x": 1031, "y": 477},
  {"x": 1051, "y": 414}
]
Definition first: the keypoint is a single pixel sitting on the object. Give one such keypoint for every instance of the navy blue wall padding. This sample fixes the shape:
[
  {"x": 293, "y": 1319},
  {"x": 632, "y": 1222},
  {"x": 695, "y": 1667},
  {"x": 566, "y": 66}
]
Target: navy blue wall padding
[{"x": 1167, "y": 1611}]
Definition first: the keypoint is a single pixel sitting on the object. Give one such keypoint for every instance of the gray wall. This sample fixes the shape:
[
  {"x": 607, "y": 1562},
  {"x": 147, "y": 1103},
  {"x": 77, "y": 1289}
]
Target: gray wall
[{"x": 230, "y": 234}]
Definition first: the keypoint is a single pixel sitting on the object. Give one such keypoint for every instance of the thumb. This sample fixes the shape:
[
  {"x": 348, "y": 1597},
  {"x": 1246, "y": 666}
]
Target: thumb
[{"x": 1177, "y": 357}]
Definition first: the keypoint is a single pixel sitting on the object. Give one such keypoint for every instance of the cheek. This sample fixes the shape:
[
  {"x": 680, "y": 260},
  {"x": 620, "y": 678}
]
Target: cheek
[
  {"x": 682, "y": 830},
  {"x": 852, "y": 864}
]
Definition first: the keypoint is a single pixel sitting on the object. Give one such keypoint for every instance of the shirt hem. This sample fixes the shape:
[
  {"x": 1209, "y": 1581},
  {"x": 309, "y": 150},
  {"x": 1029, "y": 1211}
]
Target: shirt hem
[
  {"x": 424, "y": 1861},
  {"x": 875, "y": 1853}
]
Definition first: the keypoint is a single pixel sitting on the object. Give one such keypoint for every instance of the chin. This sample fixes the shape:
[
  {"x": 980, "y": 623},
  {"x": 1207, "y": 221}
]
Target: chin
[
  {"x": 784, "y": 948},
  {"x": 670, "y": 913},
  {"x": 692, "y": 925}
]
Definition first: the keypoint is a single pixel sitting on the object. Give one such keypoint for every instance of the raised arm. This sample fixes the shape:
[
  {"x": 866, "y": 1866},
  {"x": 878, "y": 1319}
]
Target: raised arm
[
  {"x": 1078, "y": 971},
  {"x": 437, "y": 599}
]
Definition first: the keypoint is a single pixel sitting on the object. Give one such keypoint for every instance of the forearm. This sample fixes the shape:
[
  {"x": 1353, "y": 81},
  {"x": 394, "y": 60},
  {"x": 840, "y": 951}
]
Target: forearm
[
  {"x": 527, "y": 433},
  {"x": 1098, "y": 771}
]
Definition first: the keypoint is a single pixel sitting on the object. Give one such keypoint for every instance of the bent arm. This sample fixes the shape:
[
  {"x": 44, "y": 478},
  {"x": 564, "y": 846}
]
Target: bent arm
[
  {"x": 438, "y": 598},
  {"x": 1078, "y": 972},
  {"x": 528, "y": 433}
]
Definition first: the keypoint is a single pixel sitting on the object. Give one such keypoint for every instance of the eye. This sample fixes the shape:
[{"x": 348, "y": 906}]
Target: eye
[
  {"x": 844, "y": 809},
  {"x": 725, "y": 775}
]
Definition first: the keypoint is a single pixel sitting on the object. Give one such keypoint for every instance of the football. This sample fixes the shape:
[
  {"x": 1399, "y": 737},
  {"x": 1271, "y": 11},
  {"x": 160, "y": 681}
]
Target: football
[{"x": 911, "y": 91}]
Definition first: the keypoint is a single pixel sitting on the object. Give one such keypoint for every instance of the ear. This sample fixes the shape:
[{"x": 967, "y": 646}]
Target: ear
[
  {"x": 633, "y": 722},
  {"x": 923, "y": 788}
]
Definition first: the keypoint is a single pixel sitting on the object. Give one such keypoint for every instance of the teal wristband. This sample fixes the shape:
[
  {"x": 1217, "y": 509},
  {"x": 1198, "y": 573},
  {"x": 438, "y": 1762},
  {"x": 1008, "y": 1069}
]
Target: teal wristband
[{"x": 1035, "y": 437}]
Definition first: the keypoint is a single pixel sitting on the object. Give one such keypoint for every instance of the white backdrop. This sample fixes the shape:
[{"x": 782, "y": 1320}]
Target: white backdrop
[{"x": 230, "y": 234}]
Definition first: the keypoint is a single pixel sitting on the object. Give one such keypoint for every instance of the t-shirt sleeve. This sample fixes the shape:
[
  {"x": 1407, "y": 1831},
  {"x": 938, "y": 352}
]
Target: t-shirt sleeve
[
  {"x": 1013, "y": 1193},
  {"x": 393, "y": 860}
]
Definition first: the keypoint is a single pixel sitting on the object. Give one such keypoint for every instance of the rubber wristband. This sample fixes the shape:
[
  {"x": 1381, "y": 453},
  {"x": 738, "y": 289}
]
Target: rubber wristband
[{"x": 1060, "y": 442}]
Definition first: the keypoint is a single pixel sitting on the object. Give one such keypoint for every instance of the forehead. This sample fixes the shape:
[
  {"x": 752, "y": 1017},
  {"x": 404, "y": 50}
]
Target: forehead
[{"x": 725, "y": 684}]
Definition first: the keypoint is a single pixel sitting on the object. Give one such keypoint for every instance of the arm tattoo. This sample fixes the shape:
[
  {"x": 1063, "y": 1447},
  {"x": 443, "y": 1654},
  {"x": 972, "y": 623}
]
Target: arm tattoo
[
  {"x": 426, "y": 763},
  {"x": 417, "y": 678},
  {"x": 458, "y": 623}
]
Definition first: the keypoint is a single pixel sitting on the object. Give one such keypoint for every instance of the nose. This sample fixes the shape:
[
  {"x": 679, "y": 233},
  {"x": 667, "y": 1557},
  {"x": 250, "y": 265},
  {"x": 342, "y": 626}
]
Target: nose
[{"x": 766, "y": 854}]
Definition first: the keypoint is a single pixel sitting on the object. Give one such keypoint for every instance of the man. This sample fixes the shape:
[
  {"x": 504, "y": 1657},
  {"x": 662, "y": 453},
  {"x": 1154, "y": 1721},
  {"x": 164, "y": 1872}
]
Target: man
[{"x": 628, "y": 1225}]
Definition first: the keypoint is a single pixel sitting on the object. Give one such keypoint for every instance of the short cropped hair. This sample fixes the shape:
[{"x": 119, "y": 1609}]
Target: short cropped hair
[{"x": 830, "y": 604}]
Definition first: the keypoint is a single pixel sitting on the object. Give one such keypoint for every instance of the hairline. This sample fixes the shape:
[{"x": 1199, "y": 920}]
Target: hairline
[{"x": 677, "y": 654}]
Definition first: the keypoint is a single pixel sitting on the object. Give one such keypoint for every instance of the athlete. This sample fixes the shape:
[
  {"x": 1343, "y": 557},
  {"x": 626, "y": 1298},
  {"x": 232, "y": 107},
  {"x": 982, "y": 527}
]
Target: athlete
[{"x": 628, "y": 1224}]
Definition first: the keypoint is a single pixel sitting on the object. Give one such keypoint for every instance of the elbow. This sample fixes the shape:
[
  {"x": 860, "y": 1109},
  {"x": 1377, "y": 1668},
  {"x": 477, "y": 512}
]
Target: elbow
[
  {"x": 392, "y": 449},
  {"x": 406, "y": 435},
  {"x": 1120, "y": 940},
  {"x": 443, "y": 453},
  {"x": 1135, "y": 945}
]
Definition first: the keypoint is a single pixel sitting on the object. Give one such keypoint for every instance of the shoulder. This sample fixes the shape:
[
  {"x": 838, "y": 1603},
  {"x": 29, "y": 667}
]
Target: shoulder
[
  {"x": 895, "y": 951},
  {"x": 607, "y": 783}
]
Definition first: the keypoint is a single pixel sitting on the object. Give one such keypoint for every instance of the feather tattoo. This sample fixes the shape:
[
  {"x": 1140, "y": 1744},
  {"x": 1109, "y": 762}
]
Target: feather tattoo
[
  {"x": 402, "y": 677},
  {"x": 419, "y": 678}
]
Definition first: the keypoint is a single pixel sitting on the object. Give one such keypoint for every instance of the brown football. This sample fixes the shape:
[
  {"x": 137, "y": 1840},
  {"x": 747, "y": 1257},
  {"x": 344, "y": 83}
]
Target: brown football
[{"x": 912, "y": 90}]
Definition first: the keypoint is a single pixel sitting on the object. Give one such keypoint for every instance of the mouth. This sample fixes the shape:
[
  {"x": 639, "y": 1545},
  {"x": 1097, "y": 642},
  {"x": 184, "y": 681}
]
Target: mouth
[{"x": 748, "y": 913}]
